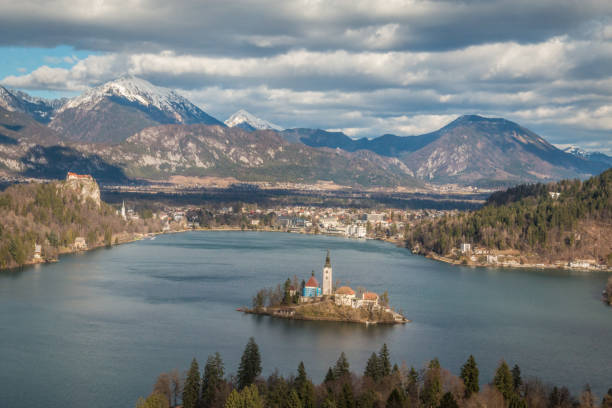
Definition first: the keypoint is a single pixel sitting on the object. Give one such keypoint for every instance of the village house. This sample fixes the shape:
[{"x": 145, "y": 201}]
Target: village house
[
  {"x": 74, "y": 176},
  {"x": 80, "y": 243},
  {"x": 37, "y": 251},
  {"x": 465, "y": 248}
]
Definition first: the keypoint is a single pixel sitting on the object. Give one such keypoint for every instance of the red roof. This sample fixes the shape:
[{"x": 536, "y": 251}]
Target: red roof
[
  {"x": 345, "y": 290},
  {"x": 370, "y": 296},
  {"x": 312, "y": 282},
  {"x": 79, "y": 176}
]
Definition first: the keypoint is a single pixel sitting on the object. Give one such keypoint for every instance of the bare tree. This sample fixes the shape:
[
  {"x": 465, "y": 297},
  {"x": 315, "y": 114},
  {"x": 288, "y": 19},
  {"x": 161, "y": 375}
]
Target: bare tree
[
  {"x": 163, "y": 386},
  {"x": 176, "y": 385}
]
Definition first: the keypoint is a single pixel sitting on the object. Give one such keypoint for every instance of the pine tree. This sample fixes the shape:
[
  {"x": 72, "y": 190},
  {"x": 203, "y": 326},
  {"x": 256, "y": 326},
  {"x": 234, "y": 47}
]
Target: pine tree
[
  {"x": 517, "y": 402},
  {"x": 213, "y": 377},
  {"x": 397, "y": 399},
  {"x": 304, "y": 387},
  {"x": 469, "y": 375},
  {"x": 347, "y": 399},
  {"x": 329, "y": 376},
  {"x": 342, "y": 366},
  {"x": 191, "y": 390},
  {"x": 503, "y": 380},
  {"x": 384, "y": 361},
  {"x": 412, "y": 386},
  {"x": 448, "y": 401},
  {"x": 432, "y": 388},
  {"x": 293, "y": 401},
  {"x": 372, "y": 369},
  {"x": 517, "y": 381},
  {"x": 250, "y": 365}
]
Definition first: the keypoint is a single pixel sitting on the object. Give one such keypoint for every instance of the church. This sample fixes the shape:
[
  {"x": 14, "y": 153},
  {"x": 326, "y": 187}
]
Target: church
[{"x": 312, "y": 289}]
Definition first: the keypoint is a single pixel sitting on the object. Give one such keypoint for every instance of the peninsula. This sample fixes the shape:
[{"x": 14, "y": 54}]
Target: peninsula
[{"x": 325, "y": 302}]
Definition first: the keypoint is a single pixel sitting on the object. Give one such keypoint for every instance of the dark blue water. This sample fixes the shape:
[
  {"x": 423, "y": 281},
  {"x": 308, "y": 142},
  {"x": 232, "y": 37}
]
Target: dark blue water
[{"x": 95, "y": 329}]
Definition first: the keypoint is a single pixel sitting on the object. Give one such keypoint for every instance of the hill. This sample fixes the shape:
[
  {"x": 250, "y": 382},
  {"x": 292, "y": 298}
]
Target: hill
[
  {"x": 112, "y": 112},
  {"x": 53, "y": 215},
  {"x": 554, "y": 223},
  {"x": 262, "y": 155}
]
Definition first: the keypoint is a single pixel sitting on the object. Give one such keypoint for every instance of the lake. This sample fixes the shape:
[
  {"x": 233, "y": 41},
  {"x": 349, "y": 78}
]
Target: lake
[{"x": 96, "y": 328}]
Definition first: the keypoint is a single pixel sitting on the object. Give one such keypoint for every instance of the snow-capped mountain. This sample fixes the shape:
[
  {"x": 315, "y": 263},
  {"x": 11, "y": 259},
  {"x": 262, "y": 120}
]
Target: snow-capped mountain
[
  {"x": 593, "y": 156},
  {"x": 40, "y": 109},
  {"x": 250, "y": 122},
  {"x": 117, "y": 109}
]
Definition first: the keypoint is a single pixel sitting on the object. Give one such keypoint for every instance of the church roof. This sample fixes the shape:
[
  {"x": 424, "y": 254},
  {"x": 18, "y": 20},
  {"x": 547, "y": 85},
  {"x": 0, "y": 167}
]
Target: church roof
[
  {"x": 345, "y": 290},
  {"x": 312, "y": 282}
]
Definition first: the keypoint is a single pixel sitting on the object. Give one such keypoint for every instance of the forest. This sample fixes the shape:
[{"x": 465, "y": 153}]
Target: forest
[
  {"x": 382, "y": 384},
  {"x": 558, "y": 221},
  {"x": 50, "y": 215}
]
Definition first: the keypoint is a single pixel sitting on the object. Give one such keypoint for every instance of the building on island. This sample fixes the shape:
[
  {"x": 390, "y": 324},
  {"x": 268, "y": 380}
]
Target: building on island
[
  {"x": 369, "y": 299},
  {"x": 344, "y": 296},
  {"x": 311, "y": 289},
  {"x": 327, "y": 276}
]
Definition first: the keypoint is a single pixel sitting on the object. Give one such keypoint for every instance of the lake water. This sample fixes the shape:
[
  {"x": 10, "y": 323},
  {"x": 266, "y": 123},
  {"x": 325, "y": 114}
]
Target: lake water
[{"x": 96, "y": 328}]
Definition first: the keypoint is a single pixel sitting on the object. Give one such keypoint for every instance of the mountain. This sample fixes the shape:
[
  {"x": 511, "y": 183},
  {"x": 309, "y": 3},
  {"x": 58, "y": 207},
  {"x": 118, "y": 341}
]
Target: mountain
[
  {"x": 112, "y": 112},
  {"x": 471, "y": 150},
  {"x": 261, "y": 155},
  {"x": 247, "y": 121},
  {"x": 385, "y": 145},
  {"x": 39, "y": 109},
  {"x": 593, "y": 156}
]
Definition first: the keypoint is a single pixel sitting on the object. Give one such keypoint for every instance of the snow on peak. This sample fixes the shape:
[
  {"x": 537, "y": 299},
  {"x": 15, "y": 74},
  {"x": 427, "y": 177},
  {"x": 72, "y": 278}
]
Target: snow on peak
[
  {"x": 575, "y": 150},
  {"x": 135, "y": 90},
  {"x": 244, "y": 117}
]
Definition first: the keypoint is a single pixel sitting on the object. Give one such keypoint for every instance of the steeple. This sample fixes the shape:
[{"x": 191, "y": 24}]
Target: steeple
[{"x": 327, "y": 276}]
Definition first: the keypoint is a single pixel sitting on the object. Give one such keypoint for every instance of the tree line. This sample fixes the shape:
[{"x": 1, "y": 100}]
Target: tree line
[
  {"x": 381, "y": 385},
  {"x": 566, "y": 223}
]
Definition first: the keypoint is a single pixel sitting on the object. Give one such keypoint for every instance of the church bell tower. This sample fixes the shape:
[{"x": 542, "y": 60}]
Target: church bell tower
[{"x": 327, "y": 276}]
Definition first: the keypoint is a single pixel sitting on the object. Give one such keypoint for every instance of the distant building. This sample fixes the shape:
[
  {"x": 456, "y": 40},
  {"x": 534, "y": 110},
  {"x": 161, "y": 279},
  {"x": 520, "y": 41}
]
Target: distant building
[
  {"x": 345, "y": 296},
  {"x": 369, "y": 299},
  {"x": 74, "y": 176},
  {"x": 329, "y": 222},
  {"x": 37, "y": 251},
  {"x": 80, "y": 243},
  {"x": 466, "y": 248},
  {"x": 123, "y": 210},
  {"x": 374, "y": 217},
  {"x": 327, "y": 276},
  {"x": 491, "y": 259},
  {"x": 311, "y": 289},
  {"x": 554, "y": 194}
]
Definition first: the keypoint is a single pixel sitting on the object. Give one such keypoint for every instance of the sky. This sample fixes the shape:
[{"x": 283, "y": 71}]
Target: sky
[{"x": 364, "y": 67}]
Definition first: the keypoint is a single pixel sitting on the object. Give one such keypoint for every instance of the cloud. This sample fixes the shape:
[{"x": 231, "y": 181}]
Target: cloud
[{"x": 400, "y": 66}]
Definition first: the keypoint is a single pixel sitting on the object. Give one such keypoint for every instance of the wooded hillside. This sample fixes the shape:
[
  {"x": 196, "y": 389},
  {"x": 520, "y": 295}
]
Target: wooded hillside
[{"x": 567, "y": 220}]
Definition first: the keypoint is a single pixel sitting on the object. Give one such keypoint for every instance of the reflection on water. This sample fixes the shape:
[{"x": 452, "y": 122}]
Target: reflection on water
[{"x": 99, "y": 326}]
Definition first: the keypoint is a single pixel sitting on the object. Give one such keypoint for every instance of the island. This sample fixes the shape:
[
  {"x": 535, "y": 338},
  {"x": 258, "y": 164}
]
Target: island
[{"x": 325, "y": 302}]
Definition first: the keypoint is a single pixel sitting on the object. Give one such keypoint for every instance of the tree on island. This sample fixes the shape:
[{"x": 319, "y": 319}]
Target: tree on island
[
  {"x": 250, "y": 365},
  {"x": 469, "y": 375},
  {"x": 191, "y": 391}
]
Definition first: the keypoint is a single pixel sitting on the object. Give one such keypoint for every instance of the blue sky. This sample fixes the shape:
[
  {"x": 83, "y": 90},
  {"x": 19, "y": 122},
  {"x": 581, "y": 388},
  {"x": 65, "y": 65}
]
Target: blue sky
[{"x": 363, "y": 67}]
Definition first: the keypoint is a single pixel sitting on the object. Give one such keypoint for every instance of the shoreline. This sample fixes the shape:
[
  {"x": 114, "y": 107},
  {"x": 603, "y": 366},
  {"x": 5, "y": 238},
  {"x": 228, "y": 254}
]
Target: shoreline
[{"x": 397, "y": 243}]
